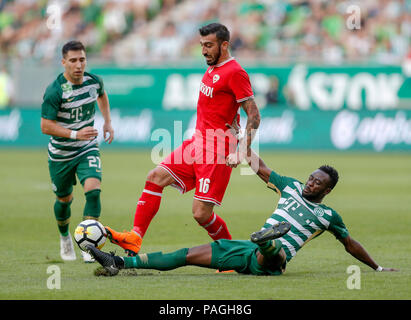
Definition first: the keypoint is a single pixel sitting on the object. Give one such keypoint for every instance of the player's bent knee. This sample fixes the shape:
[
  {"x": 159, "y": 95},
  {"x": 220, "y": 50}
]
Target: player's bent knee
[
  {"x": 160, "y": 177},
  {"x": 201, "y": 213},
  {"x": 91, "y": 184},
  {"x": 201, "y": 217},
  {"x": 65, "y": 199}
]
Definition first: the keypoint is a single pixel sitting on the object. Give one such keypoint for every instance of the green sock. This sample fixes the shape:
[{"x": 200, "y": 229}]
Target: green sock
[
  {"x": 62, "y": 212},
  {"x": 270, "y": 248},
  {"x": 157, "y": 260},
  {"x": 92, "y": 208}
]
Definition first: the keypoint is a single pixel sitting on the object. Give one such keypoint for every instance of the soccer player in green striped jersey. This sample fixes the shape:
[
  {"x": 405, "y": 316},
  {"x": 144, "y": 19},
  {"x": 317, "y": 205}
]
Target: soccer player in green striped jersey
[{"x": 67, "y": 115}]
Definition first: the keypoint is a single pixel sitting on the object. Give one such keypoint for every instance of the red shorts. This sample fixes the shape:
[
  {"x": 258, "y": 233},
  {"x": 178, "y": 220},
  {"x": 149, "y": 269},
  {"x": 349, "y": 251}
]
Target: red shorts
[{"x": 194, "y": 168}]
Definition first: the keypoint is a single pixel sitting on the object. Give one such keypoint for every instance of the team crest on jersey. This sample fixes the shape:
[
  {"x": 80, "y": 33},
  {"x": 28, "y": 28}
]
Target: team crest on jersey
[
  {"x": 319, "y": 212},
  {"x": 216, "y": 78},
  {"x": 67, "y": 89},
  {"x": 93, "y": 92}
]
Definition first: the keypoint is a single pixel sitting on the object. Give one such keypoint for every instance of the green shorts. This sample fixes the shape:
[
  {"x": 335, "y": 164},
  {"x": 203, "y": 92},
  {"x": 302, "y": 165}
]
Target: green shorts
[
  {"x": 238, "y": 255},
  {"x": 63, "y": 173}
]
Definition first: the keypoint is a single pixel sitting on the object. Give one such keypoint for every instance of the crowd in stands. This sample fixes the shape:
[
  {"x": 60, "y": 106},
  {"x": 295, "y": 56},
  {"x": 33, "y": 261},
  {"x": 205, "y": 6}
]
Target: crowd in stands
[{"x": 158, "y": 31}]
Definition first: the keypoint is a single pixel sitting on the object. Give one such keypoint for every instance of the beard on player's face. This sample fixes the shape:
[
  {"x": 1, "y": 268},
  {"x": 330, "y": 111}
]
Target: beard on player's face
[
  {"x": 214, "y": 59},
  {"x": 315, "y": 194},
  {"x": 311, "y": 195}
]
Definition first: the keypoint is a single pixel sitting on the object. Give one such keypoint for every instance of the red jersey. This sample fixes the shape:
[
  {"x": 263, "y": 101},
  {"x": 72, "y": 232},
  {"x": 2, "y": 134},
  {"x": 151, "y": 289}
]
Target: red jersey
[{"x": 222, "y": 89}]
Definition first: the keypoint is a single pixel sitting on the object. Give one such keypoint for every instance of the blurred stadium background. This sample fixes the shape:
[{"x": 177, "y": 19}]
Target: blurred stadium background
[{"x": 326, "y": 75}]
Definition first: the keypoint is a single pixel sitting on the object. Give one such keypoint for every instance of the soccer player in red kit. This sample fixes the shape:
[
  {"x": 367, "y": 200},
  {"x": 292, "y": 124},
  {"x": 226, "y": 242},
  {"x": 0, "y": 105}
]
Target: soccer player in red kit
[{"x": 199, "y": 163}]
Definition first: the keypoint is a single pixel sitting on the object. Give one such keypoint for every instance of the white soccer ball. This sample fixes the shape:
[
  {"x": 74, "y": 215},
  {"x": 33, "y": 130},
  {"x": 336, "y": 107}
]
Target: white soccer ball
[{"x": 90, "y": 232}]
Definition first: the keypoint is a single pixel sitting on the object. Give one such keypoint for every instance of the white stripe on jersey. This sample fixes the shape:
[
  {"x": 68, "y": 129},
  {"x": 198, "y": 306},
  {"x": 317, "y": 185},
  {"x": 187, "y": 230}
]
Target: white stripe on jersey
[
  {"x": 66, "y": 153},
  {"x": 77, "y": 92},
  {"x": 76, "y": 125},
  {"x": 78, "y": 103},
  {"x": 271, "y": 221},
  {"x": 65, "y": 115},
  {"x": 68, "y": 159},
  {"x": 69, "y": 94},
  {"x": 324, "y": 222},
  {"x": 295, "y": 237},
  {"x": 289, "y": 246},
  {"x": 77, "y": 143},
  {"x": 282, "y": 200},
  {"x": 298, "y": 185},
  {"x": 294, "y": 222},
  {"x": 314, "y": 226},
  {"x": 84, "y": 89}
]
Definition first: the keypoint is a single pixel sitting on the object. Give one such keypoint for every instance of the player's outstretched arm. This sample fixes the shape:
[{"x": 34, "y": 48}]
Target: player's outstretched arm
[
  {"x": 50, "y": 127},
  {"x": 253, "y": 122},
  {"x": 254, "y": 161},
  {"x": 258, "y": 166},
  {"x": 104, "y": 106},
  {"x": 354, "y": 248}
]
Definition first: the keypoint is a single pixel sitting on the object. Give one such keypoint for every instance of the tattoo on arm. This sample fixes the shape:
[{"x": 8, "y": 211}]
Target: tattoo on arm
[{"x": 253, "y": 120}]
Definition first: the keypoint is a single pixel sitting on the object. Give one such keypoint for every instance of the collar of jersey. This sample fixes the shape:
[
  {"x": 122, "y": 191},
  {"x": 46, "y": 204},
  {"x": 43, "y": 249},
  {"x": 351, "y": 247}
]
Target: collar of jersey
[{"x": 224, "y": 62}]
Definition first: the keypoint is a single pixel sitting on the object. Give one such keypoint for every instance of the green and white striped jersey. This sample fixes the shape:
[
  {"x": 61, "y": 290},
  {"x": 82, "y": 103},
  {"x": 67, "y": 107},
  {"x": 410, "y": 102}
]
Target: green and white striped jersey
[
  {"x": 308, "y": 219},
  {"x": 73, "y": 107}
]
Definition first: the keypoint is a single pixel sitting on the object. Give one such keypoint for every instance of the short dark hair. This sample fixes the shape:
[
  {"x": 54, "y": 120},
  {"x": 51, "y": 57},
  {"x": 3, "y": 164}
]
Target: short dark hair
[
  {"x": 72, "y": 46},
  {"x": 220, "y": 31},
  {"x": 332, "y": 172}
]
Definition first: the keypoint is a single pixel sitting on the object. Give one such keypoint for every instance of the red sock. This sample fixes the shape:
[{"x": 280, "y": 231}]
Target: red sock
[
  {"x": 216, "y": 228},
  {"x": 147, "y": 207}
]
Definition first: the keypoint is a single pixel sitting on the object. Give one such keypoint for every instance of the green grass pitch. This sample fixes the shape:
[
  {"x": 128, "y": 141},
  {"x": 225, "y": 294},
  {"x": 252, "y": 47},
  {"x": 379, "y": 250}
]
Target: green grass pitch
[{"x": 373, "y": 197}]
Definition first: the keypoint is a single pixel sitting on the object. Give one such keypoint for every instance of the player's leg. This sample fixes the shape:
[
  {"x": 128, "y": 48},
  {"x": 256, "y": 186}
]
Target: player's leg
[
  {"x": 89, "y": 173},
  {"x": 270, "y": 252},
  {"x": 198, "y": 256},
  {"x": 92, "y": 207},
  {"x": 147, "y": 207},
  {"x": 211, "y": 184},
  {"x": 62, "y": 175},
  {"x": 172, "y": 171},
  {"x": 149, "y": 202},
  {"x": 203, "y": 213},
  {"x": 62, "y": 212}
]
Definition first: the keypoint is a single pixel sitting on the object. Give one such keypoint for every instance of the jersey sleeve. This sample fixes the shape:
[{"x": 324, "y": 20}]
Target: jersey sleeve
[
  {"x": 337, "y": 227},
  {"x": 51, "y": 103},
  {"x": 241, "y": 86},
  {"x": 100, "y": 91},
  {"x": 278, "y": 182}
]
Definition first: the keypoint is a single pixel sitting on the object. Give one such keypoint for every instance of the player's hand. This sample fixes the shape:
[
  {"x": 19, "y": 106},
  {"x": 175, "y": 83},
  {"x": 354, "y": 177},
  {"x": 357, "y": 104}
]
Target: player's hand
[
  {"x": 234, "y": 129},
  {"x": 233, "y": 159},
  {"x": 108, "y": 132},
  {"x": 87, "y": 133}
]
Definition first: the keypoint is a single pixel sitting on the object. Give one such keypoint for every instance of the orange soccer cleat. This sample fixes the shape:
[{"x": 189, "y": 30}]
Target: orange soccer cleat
[
  {"x": 130, "y": 241},
  {"x": 225, "y": 271}
]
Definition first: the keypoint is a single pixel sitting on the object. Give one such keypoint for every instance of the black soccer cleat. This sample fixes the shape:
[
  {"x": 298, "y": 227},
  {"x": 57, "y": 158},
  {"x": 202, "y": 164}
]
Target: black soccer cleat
[
  {"x": 276, "y": 231},
  {"x": 105, "y": 259}
]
